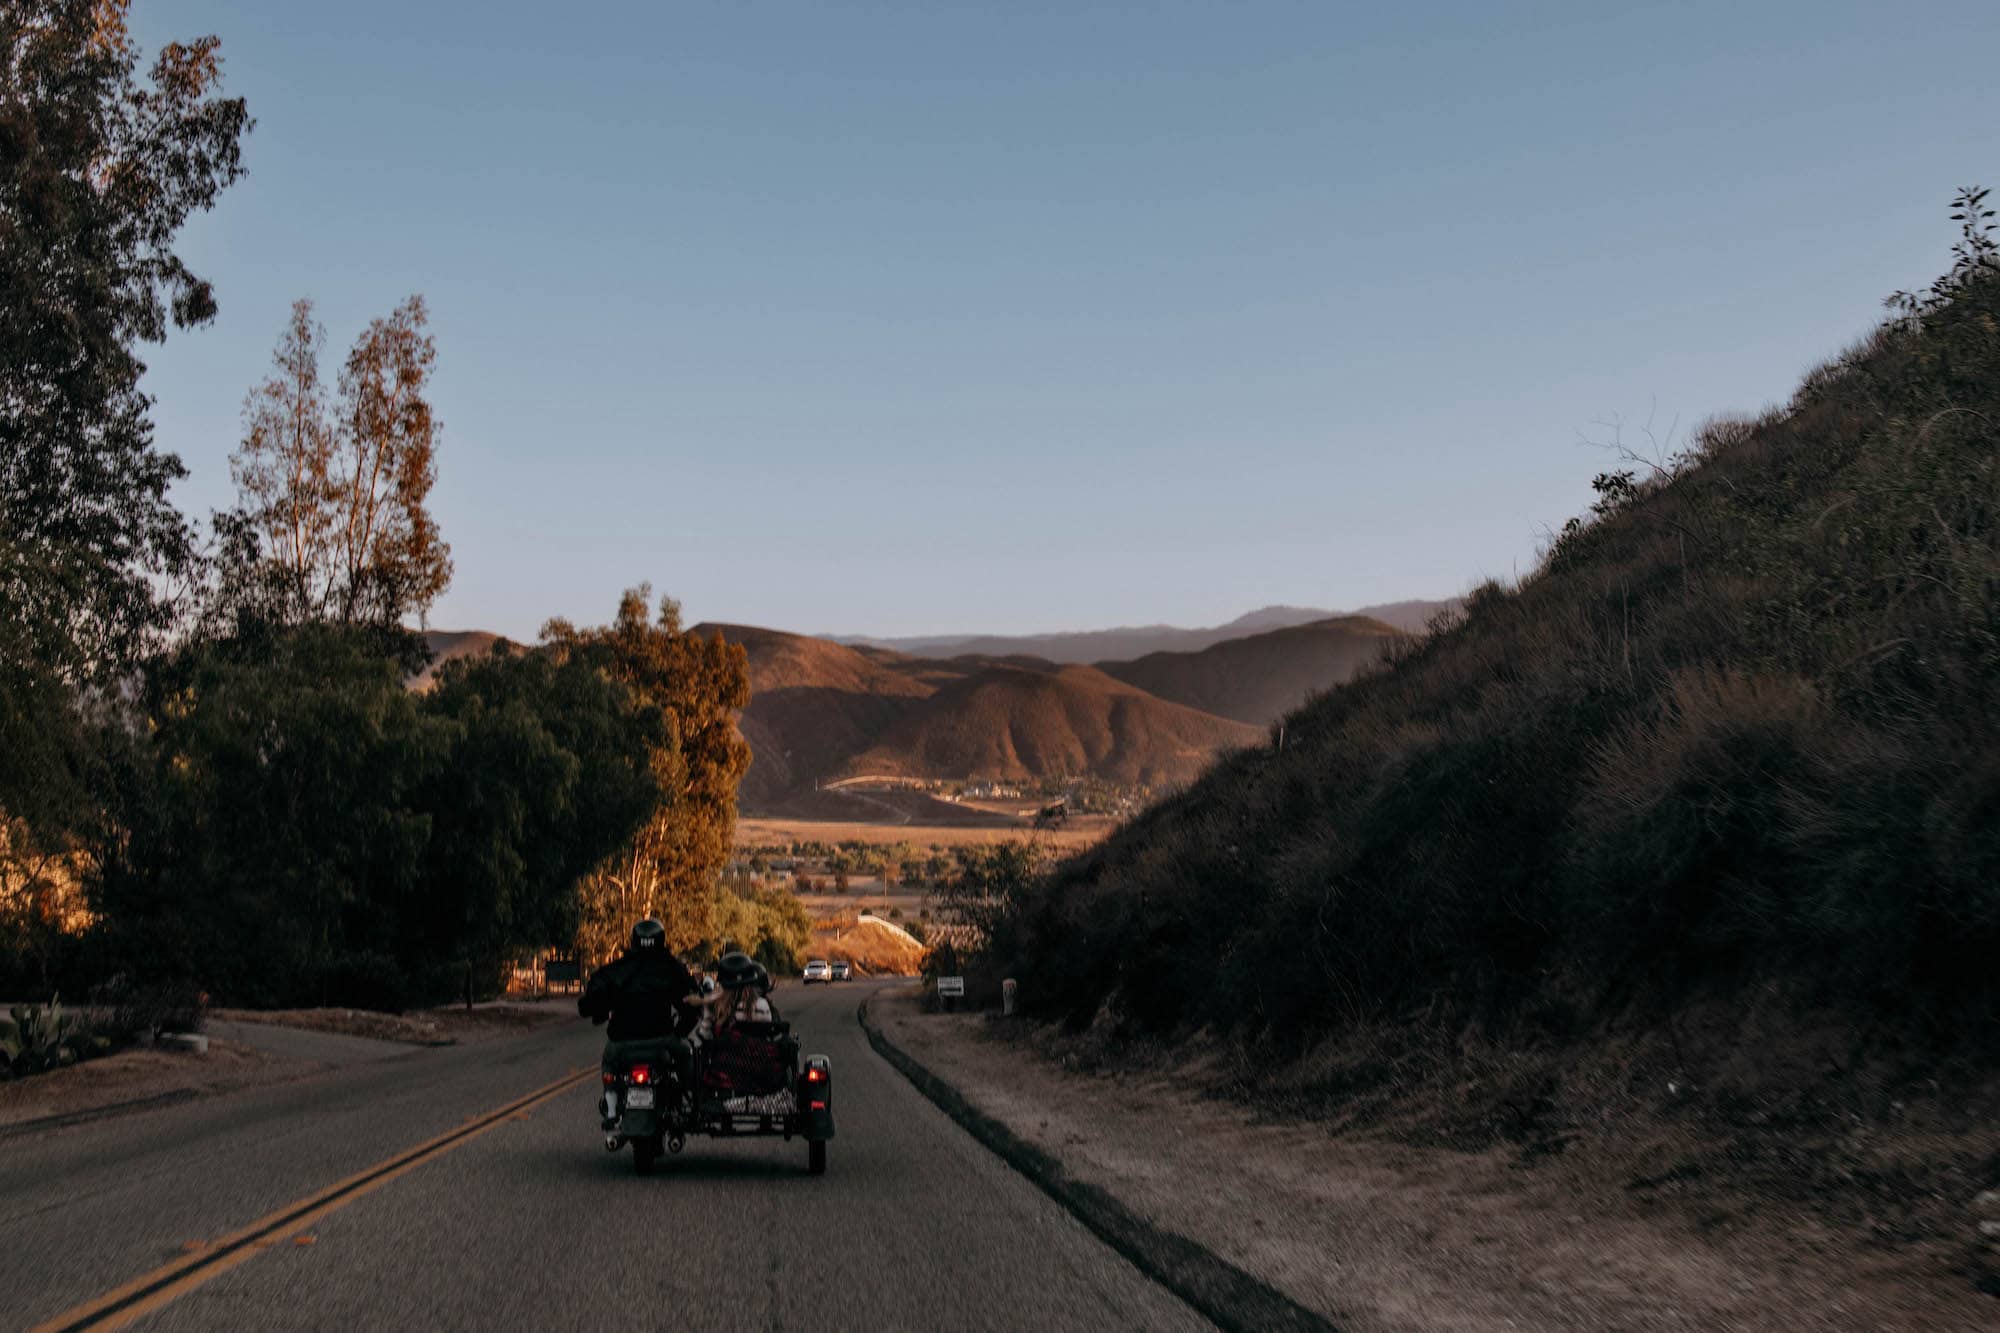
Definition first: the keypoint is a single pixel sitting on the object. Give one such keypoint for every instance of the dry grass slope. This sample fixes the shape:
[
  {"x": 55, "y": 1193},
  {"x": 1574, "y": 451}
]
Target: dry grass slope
[
  {"x": 1011, "y": 722},
  {"x": 1260, "y": 678}
]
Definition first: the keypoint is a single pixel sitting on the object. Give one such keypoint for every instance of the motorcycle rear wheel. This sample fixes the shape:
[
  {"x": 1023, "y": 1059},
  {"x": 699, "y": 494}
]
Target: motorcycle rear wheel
[
  {"x": 816, "y": 1157},
  {"x": 645, "y": 1152}
]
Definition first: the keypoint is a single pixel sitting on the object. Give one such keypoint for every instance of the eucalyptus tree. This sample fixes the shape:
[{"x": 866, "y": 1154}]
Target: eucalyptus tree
[{"x": 99, "y": 170}]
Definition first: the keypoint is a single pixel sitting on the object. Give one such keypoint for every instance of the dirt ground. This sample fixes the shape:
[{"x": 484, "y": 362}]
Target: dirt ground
[
  {"x": 141, "y": 1074},
  {"x": 1379, "y": 1234},
  {"x": 427, "y": 1027}
]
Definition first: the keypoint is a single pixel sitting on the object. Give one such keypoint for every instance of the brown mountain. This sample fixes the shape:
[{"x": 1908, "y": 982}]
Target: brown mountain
[
  {"x": 821, "y": 711},
  {"x": 446, "y": 644},
  {"x": 1010, "y": 721},
  {"x": 1260, "y": 678},
  {"x": 815, "y": 704}
]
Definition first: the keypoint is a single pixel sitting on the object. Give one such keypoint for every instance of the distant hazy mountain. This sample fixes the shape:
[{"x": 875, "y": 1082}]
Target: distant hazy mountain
[
  {"x": 1261, "y": 677},
  {"x": 1127, "y": 642}
]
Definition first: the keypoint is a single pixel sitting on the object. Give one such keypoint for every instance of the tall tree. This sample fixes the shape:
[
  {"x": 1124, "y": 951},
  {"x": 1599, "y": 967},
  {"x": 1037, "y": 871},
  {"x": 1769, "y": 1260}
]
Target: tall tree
[
  {"x": 671, "y": 867},
  {"x": 334, "y": 521},
  {"x": 392, "y": 560},
  {"x": 98, "y": 172},
  {"x": 284, "y": 468}
]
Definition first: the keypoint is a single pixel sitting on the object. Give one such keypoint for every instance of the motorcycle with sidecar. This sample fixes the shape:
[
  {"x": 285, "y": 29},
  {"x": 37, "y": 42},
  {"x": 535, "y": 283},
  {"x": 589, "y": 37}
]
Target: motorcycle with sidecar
[{"x": 746, "y": 1081}]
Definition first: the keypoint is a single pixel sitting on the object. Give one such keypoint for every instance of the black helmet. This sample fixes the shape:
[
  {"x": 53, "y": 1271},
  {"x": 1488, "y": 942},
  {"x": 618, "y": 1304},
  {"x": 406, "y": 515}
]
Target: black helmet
[
  {"x": 737, "y": 970},
  {"x": 649, "y": 934}
]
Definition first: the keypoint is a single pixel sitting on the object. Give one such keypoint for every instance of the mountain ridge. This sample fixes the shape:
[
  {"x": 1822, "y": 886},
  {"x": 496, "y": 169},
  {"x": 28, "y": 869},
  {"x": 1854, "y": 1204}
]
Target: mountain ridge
[
  {"x": 1126, "y": 642},
  {"x": 822, "y": 709}
]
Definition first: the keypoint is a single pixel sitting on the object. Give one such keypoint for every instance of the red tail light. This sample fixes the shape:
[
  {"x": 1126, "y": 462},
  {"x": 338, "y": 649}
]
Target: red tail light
[
  {"x": 815, "y": 1075},
  {"x": 816, "y": 1106},
  {"x": 609, "y": 1078},
  {"x": 641, "y": 1075}
]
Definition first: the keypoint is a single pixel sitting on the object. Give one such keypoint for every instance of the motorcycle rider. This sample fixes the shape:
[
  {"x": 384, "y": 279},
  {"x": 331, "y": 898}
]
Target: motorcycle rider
[
  {"x": 739, "y": 997},
  {"x": 639, "y": 995}
]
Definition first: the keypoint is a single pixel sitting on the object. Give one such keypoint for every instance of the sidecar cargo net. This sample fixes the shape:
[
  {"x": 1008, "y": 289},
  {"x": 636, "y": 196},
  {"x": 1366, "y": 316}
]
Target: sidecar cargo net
[
  {"x": 740, "y": 1062},
  {"x": 772, "y": 1104}
]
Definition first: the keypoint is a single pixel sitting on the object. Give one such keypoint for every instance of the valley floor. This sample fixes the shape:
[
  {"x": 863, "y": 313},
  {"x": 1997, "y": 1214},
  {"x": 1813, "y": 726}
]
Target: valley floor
[
  {"x": 1380, "y": 1236},
  {"x": 767, "y": 830}
]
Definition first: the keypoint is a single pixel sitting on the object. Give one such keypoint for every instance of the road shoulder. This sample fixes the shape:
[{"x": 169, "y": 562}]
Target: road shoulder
[
  {"x": 140, "y": 1079},
  {"x": 447, "y": 1025},
  {"x": 1375, "y": 1235}
]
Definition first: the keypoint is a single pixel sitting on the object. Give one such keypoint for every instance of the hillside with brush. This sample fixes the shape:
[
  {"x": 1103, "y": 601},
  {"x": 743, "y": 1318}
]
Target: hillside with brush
[
  {"x": 1260, "y": 678},
  {"x": 1690, "y": 839},
  {"x": 1743, "y": 721}
]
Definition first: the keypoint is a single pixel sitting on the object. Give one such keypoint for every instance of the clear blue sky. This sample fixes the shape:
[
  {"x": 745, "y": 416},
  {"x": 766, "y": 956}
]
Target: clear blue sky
[{"x": 932, "y": 316}]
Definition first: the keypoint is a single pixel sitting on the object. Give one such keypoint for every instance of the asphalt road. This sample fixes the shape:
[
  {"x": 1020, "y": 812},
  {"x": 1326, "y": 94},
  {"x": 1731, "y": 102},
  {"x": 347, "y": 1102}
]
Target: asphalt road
[{"x": 533, "y": 1225}]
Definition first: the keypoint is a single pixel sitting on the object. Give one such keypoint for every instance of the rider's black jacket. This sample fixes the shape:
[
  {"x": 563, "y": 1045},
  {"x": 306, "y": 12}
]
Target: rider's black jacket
[{"x": 640, "y": 993}]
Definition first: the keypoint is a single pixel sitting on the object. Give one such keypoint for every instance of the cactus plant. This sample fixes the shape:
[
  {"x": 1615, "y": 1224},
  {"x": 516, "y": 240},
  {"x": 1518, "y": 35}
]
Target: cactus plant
[{"x": 37, "y": 1041}]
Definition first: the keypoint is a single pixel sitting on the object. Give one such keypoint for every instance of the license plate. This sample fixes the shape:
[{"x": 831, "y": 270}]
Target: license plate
[{"x": 639, "y": 1099}]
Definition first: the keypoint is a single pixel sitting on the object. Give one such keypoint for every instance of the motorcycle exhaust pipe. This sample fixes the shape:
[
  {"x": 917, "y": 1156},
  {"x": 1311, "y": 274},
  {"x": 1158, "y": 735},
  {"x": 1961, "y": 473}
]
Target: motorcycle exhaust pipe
[
  {"x": 611, "y": 1143},
  {"x": 676, "y": 1143}
]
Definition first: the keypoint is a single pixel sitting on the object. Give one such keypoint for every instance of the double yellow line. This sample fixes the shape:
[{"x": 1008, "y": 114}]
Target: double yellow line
[{"x": 142, "y": 1295}]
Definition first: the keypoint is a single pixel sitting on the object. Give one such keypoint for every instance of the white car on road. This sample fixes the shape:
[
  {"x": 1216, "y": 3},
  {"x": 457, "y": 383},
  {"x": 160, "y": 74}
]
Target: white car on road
[{"x": 818, "y": 970}]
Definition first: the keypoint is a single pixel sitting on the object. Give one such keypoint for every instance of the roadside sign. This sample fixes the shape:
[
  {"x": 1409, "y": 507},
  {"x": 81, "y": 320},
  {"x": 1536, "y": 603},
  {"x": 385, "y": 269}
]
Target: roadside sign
[{"x": 951, "y": 986}]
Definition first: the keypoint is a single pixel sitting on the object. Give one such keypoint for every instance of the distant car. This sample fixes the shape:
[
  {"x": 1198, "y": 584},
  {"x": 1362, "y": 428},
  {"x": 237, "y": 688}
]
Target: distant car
[
  {"x": 840, "y": 971},
  {"x": 818, "y": 970}
]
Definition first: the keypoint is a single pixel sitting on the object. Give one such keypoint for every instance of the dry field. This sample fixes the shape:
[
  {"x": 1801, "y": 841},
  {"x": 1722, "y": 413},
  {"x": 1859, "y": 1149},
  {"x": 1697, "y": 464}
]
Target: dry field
[
  {"x": 864, "y": 895},
  {"x": 765, "y": 831}
]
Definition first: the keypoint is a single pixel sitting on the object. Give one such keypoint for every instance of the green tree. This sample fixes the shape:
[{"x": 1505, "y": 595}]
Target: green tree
[
  {"x": 991, "y": 883},
  {"x": 768, "y": 924},
  {"x": 550, "y": 772},
  {"x": 274, "y": 824},
  {"x": 98, "y": 172},
  {"x": 305, "y": 829},
  {"x": 699, "y": 685}
]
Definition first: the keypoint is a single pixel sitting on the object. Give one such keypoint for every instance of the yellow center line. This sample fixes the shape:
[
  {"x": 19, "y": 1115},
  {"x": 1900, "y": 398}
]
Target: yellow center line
[{"x": 144, "y": 1294}]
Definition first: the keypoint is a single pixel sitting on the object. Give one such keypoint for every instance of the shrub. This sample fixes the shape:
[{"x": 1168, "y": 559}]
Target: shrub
[
  {"x": 365, "y": 980},
  {"x": 141, "y": 1012}
]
